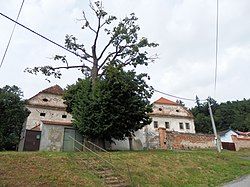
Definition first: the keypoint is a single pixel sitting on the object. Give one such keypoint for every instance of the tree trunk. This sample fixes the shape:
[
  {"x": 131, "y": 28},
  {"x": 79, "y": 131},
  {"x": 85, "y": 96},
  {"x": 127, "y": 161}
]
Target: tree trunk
[
  {"x": 130, "y": 139},
  {"x": 94, "y": 72}
]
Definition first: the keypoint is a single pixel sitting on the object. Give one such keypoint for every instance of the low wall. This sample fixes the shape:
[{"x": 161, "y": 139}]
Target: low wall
[
  {"x": 176, "y": 140},
  {"x": 241, "y": 142}
]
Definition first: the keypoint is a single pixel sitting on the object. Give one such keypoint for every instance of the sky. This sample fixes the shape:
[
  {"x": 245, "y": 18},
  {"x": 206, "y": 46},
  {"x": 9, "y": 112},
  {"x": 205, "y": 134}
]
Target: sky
[{"x": 184, "y": 29}]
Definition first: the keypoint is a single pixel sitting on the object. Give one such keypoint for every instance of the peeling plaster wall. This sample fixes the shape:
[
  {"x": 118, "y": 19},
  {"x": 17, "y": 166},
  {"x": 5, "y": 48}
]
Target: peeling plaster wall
[
  {"x": 22, "y": 137},
  {"x": 52, "y": 100},
  {"x": 54, "y": 108},
  {"x": 143, "y": 139},
  {"x": 148, "y": 137},
  {"x": 120, "y": 144},
  {"x": 172, "y": 110},
  {"x": 52, "y": 138},
  {"x": 34, "y": 118},
  {"x": 138, "y": 142}
]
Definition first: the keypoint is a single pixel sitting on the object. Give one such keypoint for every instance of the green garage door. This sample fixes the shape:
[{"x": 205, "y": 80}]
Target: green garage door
[{"x": 68, "y": 143}]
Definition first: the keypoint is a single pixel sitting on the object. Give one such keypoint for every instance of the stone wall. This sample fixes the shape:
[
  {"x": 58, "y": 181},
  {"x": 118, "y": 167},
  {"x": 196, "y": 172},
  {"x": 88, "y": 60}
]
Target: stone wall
[
  {"x": 177, "y": 140},
  {"x": 241, "y": 142}
]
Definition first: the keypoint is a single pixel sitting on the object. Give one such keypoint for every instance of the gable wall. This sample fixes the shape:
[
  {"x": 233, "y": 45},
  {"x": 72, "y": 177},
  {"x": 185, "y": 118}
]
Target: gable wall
[
  {"x": 36, "y": 105},
  {"x": 53, "y": 100},
  {"x": 173, "y": 110}
]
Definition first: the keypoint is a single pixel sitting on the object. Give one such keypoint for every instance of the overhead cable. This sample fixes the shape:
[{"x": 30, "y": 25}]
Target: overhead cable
[
  {"x": 177, "y": 97},
  {"x": 7, "y": 47},
  {"x": 36, "y": 33},
  {"x": 216, "y": 46}
]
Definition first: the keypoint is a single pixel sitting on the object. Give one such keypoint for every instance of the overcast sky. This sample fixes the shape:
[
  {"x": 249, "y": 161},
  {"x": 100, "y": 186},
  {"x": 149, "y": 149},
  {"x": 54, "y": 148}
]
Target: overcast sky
[{"x": 185, "y": 30}]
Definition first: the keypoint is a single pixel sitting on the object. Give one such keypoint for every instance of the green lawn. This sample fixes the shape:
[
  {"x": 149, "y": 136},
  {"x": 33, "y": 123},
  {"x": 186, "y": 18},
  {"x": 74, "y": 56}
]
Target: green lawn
[{"x": 148, "y": 168}]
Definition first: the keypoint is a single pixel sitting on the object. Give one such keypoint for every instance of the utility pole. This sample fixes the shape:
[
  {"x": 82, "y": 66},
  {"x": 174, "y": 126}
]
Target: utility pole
[{"x": 217, "y": 139}]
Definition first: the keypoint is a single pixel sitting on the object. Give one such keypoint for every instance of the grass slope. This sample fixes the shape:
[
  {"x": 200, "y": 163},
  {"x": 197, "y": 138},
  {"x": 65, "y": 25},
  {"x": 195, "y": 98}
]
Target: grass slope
[{"x": 148, "y": 168}]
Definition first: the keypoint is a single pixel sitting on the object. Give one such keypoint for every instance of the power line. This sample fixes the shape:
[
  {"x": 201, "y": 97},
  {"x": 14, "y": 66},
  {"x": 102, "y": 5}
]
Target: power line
[
  {"x": 49, "y": 40},
  {"x": 7, "y": 47},
  {"x": 216, "y": 46},
  {"x": 177, "y": 97}
]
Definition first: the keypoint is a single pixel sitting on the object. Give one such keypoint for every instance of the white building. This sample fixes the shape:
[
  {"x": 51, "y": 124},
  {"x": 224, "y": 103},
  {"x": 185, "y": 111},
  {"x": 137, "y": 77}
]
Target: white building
[
  {"x": 48, "y": 125},
  {"x": 170, "y": 115},
  {"x": 166, "y": 114}
]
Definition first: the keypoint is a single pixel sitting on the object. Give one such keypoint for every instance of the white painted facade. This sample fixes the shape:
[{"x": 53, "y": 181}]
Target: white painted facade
[
  {"x": 166, "y": 114},
  {"x": 171, "y": 117}
]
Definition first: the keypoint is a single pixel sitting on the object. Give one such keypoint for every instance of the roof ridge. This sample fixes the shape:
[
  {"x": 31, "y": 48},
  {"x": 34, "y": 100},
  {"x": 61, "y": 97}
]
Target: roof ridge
[
  {"x": 163, "y": 100},
  {"x": 56, "y": 89}
]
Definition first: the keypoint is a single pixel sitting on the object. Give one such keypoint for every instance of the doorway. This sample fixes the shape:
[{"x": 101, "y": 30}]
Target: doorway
[
  {"x": 32, "y": 140},
  {"x": 68, "y": 143}
]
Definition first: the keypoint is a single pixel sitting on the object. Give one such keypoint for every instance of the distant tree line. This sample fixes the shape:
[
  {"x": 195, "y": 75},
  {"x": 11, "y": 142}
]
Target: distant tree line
[{"x": 232, "y": 114}]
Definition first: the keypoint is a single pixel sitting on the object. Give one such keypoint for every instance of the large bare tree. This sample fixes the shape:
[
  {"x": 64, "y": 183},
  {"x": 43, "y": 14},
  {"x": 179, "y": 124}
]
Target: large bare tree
[{"x": 123, "y": 47}]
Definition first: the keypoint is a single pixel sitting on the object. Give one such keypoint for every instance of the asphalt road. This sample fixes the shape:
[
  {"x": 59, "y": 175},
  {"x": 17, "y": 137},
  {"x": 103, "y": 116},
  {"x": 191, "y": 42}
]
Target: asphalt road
[{"x": 241, "y": 182}]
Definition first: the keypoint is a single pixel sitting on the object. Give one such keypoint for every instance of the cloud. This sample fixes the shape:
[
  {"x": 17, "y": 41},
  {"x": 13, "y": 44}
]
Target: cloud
[{"x": 185, "y": 31}]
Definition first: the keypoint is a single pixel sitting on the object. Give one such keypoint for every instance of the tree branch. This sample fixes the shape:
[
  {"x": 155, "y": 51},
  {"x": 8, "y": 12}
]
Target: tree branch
[
  {"x": 105, "y": 48},
  {"x": 87, "y": 22},
  {"x": 71, "y": 67}
]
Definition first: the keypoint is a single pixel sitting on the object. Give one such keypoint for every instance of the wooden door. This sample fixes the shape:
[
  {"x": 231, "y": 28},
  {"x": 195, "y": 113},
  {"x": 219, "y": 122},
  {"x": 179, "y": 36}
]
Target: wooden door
[{"x": 32, "y": 140}]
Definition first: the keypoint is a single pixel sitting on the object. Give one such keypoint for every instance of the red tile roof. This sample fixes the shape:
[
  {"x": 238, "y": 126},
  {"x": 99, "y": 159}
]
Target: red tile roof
[
  {"x": 165, "y": 101},
  {"x": 53, "y": 90}
]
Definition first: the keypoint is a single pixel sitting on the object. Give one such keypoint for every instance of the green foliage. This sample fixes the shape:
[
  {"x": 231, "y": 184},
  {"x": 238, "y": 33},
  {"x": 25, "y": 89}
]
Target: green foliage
[
  {"x": 12, "y": 117},
  {"x": 115, "y": 107},
  {"x": 235, "y": 115}
]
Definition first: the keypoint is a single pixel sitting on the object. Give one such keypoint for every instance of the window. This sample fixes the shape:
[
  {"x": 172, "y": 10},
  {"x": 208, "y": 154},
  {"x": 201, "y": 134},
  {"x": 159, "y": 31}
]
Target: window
[
  {"x": 167, "y": 125},
  {"x": 177, "y": 110},
  {"x": 45, "y": 100},
  {"x": 160, "y": 109},
  {"x": 155, "y": 124},
  {"x": 64, "y": 116},
  {"x": 187, "y": 126},
  {"x": 181, "y": 126},
  {"x": 42, "y": 114}
]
